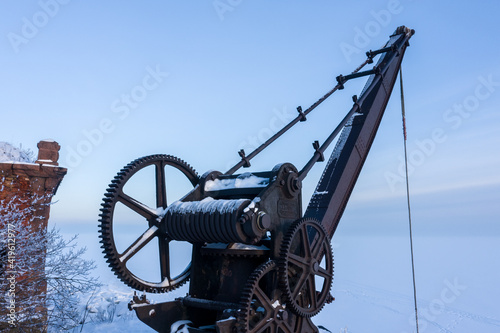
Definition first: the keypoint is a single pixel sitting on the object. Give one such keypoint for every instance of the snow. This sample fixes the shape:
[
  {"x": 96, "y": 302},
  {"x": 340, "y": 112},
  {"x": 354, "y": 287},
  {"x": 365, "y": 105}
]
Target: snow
[
  {"x": 252, "y": 206},
  {"x": 227, "y": 319},
  {"x": 244, "y": 180},
  {"x": 344, "y": 134},
  {"x": 454, "y": 288},
  {"x": 9, "y": 153},
  {"x": 44, "y": 161},
  {"x": 320, "y": 193},
  {"x": 372, "y": 285},
  {"x": 160, "y": 212},
  {"x": 164, "y": 284},
  {"x": 180, "y": 326},
  {"x": 241, "y": 246},
  {"x": 45, "y": 165},
  {"x": 138, "y": 305},
  {"x": 236, "y": 246},
  {"x": 207, "y": 205},
  {"x": 144, "y": 238}
]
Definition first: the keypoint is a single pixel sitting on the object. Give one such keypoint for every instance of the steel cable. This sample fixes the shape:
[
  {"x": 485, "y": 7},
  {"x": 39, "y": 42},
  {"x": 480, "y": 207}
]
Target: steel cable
[{"x": 408, "y": 195}]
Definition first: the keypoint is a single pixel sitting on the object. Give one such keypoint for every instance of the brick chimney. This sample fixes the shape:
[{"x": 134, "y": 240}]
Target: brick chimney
[
  {"x": 25, "y": 181},
  {"x": 32, "y": 185}
]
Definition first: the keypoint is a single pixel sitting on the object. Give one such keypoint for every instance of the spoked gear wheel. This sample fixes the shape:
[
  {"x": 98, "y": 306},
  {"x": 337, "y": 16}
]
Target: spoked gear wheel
[
  {"x": 114, "y": 194},
  {"x": 262, "y": 304},
  {"x": 306, "y": 267}
]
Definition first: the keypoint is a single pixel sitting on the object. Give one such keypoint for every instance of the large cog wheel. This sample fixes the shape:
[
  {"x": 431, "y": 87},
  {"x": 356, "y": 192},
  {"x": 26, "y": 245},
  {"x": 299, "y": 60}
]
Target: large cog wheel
[
  {"x": 262, "y": 304},
  {"x": 152, "y": 219},
  {"x": 306, "y": 267}
]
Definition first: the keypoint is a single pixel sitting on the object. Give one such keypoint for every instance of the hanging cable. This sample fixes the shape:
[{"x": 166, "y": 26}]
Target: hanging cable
[{"x": 408, "y": 194}]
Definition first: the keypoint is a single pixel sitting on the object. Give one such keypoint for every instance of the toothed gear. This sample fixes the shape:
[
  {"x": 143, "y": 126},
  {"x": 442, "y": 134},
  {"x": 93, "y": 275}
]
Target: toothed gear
[
  {"x": 262, "y": 304},
  {"x": 306, "y": 259},
  {"x": 114, "y": 194}
]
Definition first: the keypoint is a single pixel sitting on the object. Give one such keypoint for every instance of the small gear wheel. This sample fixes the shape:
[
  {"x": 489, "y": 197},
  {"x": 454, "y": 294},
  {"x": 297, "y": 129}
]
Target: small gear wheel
[
  {"x": 151, "y": 219},
  {"x": 262, "y": 304},
  {"x": 306, "y": 267}
]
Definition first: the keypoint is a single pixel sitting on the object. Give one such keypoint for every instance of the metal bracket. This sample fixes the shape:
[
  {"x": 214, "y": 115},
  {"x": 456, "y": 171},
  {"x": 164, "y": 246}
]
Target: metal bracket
[
  {"x": 355, "y": 100},
  {"x": 244, "y": 158},
  {"x": 137, "y": 300},
  {"x": 371, "y": 54},
  {"x": 302, "y": 115},
  {"x": 341, "y": 79},
  {"x": 318, "y": 151}
]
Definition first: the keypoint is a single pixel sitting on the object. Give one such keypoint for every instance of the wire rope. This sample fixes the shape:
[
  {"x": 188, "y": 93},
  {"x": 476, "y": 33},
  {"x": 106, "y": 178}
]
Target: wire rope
[{"x": 408, "y": 194}]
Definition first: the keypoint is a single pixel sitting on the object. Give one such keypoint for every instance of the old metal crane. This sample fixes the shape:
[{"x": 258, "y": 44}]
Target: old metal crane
[{"x": 259, "y": 264}]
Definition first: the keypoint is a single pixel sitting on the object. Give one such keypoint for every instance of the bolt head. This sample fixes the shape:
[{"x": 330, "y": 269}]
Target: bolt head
[
  {"x": 282, "y": 315},
  {"x": 263, "y": 221},
  {"x": 315, "y": 267}
]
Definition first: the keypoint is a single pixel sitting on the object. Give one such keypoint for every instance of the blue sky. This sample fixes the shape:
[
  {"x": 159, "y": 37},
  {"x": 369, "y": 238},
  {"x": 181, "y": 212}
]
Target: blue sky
[{"x": 210, "y": 77}]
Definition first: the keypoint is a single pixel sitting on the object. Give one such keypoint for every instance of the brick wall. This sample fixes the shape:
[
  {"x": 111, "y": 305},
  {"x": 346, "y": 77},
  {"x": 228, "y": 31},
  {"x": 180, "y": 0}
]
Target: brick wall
[
  {"x": 30, "y": 187},
  {"x": 22, "y": 182}
]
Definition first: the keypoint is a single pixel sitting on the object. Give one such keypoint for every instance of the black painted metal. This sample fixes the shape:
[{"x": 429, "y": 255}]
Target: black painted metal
[
  {"x": 341, "y": 79},
  {"x": 300, "y": 118},
  {"x": 207, "y": 304},
  {"x": 342, "y": 170},
  {"x": 253, "y": 248},
  {"x": 320, "y": 151}
]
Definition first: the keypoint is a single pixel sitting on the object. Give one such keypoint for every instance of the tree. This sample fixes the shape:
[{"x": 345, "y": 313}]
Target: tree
[{"x": 42, "y": 274}]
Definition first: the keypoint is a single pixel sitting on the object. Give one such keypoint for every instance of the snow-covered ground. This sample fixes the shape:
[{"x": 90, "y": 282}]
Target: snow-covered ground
[{"x": 457, "y": 284}]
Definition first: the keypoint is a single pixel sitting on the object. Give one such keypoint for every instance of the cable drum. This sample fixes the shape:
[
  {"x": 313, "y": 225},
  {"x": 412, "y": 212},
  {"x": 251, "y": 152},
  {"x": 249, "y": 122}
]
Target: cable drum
[{"x": 206, "y": 221}]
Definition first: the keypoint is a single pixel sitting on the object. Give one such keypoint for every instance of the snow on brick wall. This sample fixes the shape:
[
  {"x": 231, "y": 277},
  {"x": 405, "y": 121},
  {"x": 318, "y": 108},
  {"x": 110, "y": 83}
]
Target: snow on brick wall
[
  {"x": 28, "y": 186},
  {"x": 30, "y": 183}
]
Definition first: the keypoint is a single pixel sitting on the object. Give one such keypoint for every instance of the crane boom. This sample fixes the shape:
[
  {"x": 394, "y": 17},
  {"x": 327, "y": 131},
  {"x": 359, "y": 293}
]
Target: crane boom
[{"x": 342, "y": 170}]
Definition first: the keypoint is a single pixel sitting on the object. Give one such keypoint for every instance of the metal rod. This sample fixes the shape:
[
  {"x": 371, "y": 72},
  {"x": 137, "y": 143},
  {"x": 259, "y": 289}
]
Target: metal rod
[
  {"x": 319, "y": 152},
  {"x": 300, "y": 117},
  {"x": 317, "y": 155},
  {"x": 367, "y": 61},
  {"x": 281, "y": 132},
  {"x": 371, "y": 54},
  {"x": 245, "y": 161},
  {"x": 343, "y": 79},
  {"x": 207, "y": 304}
]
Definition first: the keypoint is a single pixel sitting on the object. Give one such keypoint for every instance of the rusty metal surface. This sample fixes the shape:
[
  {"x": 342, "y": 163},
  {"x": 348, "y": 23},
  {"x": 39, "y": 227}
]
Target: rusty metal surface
[
  {"x": 342, "y": 170},
  {"x": 258, "y": 263}
]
